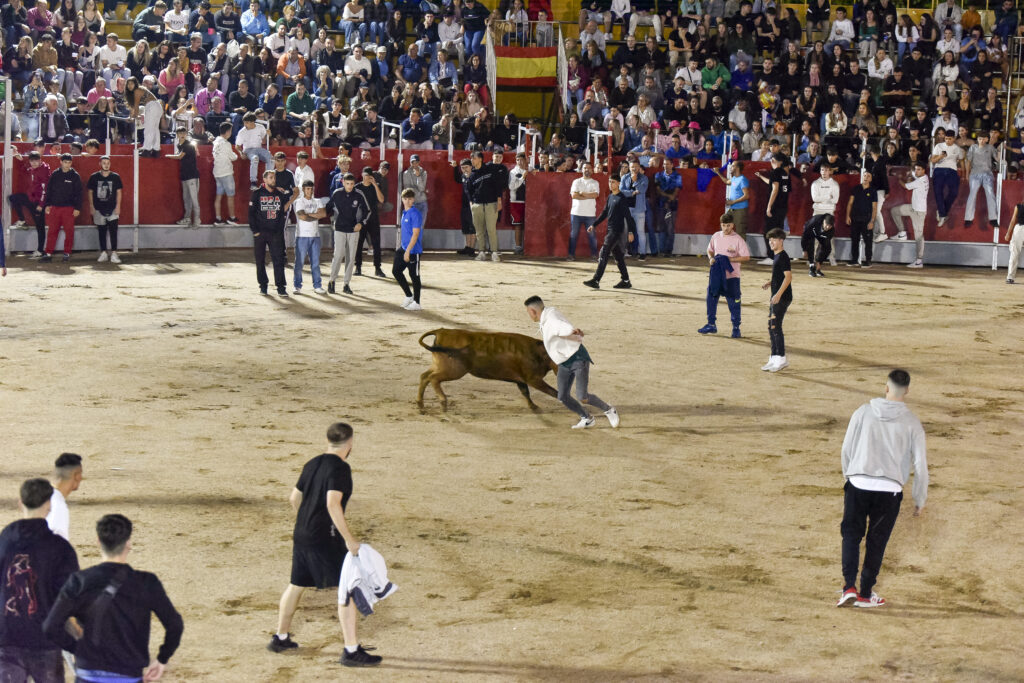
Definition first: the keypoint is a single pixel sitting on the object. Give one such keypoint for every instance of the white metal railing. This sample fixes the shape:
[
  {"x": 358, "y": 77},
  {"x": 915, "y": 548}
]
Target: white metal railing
[
  {"x": 492, "y": 72},
  {"x": 527, "y": 133},
  {"x": 593, "y": 139},
  {"x": 1000, "y": 177},
  {"x": 563, "y": 71},
  {"x": 384, "y": 125}
]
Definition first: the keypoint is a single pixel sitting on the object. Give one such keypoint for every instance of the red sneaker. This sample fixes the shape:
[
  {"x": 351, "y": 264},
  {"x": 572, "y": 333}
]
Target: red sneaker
[
  {"x": 848, "y": 595},
  {"x": 874, "y": 601}
]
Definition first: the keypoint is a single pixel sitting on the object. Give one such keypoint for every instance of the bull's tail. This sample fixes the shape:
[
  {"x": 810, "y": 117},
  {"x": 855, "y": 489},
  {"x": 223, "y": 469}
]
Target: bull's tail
[{"x": 451, "y": 351}]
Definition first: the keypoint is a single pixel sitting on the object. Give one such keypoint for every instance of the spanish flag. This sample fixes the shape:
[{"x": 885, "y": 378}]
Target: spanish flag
[{"x": 527, "y": 66}]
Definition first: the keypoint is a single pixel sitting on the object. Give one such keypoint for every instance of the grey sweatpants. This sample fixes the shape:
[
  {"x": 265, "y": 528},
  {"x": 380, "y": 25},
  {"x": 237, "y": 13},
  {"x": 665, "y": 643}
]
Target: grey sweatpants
[
  {"x": 580, "y": 372},
  {"x": 345, "y": 245},
  {"x": 190, "y": 197},
  {"x": 916, "y": 219}
]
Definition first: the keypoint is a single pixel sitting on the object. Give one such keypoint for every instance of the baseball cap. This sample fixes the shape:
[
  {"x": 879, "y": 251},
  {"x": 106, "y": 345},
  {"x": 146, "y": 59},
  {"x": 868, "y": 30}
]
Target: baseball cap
[{"x": 414, "y": 157}]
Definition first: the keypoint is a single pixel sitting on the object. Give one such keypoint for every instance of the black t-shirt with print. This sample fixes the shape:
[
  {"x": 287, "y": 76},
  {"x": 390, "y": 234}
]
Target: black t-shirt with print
[
  {"x": 781, "y": 263},
  {"x": 104, "y": 191},
  {"x": 285, "y": 181},
  {"x": 188, "y": 170},
  {"x": 781, "y": 176},
  {"x": 313, "y": 524}
]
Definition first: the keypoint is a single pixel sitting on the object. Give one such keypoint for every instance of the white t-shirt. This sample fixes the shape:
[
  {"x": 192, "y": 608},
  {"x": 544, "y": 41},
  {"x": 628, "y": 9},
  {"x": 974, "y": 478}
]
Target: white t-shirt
[
  {"x": 954, "y": 153},
  {"x": 584, "y": 207},
  {"x": 302, "y": 174},
  {"x": 254, "y": 137},
  {"x": 176, "y": 21},
  {"x": 59, "y": 519},
  {"x": 307, "y": 228},
  {"x": 113, "y": 57},
  {"x": 919, "y": 193}
]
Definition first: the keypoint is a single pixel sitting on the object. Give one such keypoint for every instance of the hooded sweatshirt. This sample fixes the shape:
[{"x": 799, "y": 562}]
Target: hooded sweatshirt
[
  {"x": 885, "y": 439},
  {"x": 34, "y": 564}
]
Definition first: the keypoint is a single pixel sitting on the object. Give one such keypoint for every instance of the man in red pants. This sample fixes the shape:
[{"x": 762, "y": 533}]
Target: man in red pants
[{"x": 63, "y": 197}]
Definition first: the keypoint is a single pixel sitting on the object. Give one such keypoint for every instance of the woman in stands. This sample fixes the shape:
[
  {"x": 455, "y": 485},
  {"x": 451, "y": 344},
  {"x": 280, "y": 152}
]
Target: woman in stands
[
  {"x": 266, "y": 70},
  {"x": 907, "y": 35},
  {"x": 390, "y": 108},
  {"x": 160, "y": 57},
  {"x": 929, "y": 32},
  {"x": 65, "y": 15},
  {"x": 575, "y": 134},
  {"x": 478, "y": 130},
  {"x": 99, "y": 126},
  {"x": 79, "y": 30},
  {"x": 139, "y": 59},
  {"x": 474, "y": 77},
  {"x": 394, "y": 32},
  {"x": 869, "y": 35},
  {"x": 990, "y": 114},
  {"x": 963, "y": 109},
  {"x": 88, "y": 53},
  {"x": 947, "y": 71},
  {"x": 181, "y": 109},
  {"x": 94, "y": 18},
  {"x": 170, "y": 80},
  {"x": 942, "y": 100}
]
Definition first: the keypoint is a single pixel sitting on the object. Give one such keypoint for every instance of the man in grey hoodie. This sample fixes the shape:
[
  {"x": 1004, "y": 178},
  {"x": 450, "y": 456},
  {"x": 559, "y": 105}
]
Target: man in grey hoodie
[{"x": 883, "y": 442}]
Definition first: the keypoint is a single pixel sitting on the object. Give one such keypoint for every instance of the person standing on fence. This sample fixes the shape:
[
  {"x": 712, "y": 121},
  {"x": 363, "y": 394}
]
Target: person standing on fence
[
  {"x": 37, "y": 172},
  {"x": 105, "y": 189},
  {"x": 142, "y": 97},
  {"x": 486, "y": 186},
  {"x": 779, "y": 185},
  {"x": 224, "y": 175},
  {"x": 883, "y": 443},
  {"x": 188, "y": 174},
  {"x": 251, "y": 142},
  {"x": 948, "y": 160},
  {"x": 584, "y": 192},
  {"x": 371, "y": 227},
  {"x": 350, "y": 211},
  {"x": 981, "y": 160},
  {"x": 917, "y": 183},
  {"x": 63, "y": 199},
  {"x": 268, "y": 208}
]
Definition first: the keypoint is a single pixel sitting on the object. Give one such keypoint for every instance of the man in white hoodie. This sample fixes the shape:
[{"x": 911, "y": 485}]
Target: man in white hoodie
[
  {"x": 883, "y": 442},
  {"x": 821, "y": 227},
  {"x": 564, "y": 344},
  {"x": 224, "y": 174}
]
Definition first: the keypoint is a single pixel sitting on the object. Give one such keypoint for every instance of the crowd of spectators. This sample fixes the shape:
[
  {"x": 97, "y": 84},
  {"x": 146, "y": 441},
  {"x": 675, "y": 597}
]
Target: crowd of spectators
[{"x": 713, "y": 78}]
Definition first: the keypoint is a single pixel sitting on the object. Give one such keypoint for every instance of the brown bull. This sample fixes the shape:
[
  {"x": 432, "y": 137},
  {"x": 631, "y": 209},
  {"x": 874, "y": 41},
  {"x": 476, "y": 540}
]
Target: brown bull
[{"x": 503, "y": 356}]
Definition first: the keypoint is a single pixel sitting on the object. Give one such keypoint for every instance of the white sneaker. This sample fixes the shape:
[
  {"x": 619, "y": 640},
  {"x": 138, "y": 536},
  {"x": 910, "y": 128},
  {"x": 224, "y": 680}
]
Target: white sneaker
[
  {"x": 780, "y": 363},
  {"x": 772, "y": 360},
  {"x": 766, "y": 261},
  {"x": 496, "y": 256},
  {"x": 916, "y": 264},
  {"x": 832, "y": 260},
  {"x": 875, "y": 600},
  {"x": 406, "y": 301},
  {"x": 103, "y": 257},
  {"x": 18, "y": 225},
  {"x": 901, "y": 237},
  {"x": 183, "y": 221},
  {"x": 320, "y": 290},
  {"x": 36, "y": 254},
  {"x": 881, "y": 237},
  {"x": 613, "y": 417},
  {"x": 414, "y": 307},
  {"x": 584, "y": 423},
  {"x": 481, "y": 256},
  {"x": 114, "y": 258}
]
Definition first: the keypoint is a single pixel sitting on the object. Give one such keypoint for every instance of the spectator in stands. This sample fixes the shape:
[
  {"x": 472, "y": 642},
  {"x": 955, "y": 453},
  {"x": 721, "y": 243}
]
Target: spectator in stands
[
  {"x": 416, "y": 131},
  {"x": 250, "y": 141},
  {"x": 229, "y": 23},
  {"x": 948, "y": 15},
  {"x": 358, "y": 71},
  {"x": 842, "y": 33},
  {"x": 474, "y": 78},
  {"x": 254, "y": 22},
  {"x": 427, "y": 37},
  {"x": 149, "y": 24},
  {"x": 299, "y": 106},
  {"x": 176, "y": 23},
  {"x": 411, "y": 67},
  {"x": 39, "y": 20},
  {"x": 817, "y": 17},
  {"x": 35, "y": 563},
  {"x": 205, "y": 96},
  {"x": 202, "y": 21},
  {"x": 291, "y": 70},
  {"x": 353, "y": 23},
  {"x": 14, "y": 21},
  {"x": 474, "y": 17}
]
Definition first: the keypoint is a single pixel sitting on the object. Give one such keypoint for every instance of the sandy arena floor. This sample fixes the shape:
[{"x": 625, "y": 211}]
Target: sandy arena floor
[{"x": 700, "y": 541}]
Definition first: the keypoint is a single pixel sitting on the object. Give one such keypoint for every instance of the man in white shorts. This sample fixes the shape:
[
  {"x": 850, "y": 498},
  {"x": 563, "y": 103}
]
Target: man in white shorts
[{"x": 224, "y": 175}]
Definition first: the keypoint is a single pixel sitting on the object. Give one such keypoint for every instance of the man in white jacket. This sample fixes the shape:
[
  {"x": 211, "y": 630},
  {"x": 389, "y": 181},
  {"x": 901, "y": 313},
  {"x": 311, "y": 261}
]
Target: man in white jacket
[
  {"x": 224, "y": 158},
  {"x": 821, "y": 228},
  {"x": 883, "y": 442},
  {"x": 564, "y": 344}
]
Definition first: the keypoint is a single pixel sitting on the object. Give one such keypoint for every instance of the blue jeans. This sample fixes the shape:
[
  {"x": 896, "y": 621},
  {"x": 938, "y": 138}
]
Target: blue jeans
[
  {"x": 576, "y": 223},
  {"x": 255, "y": 155},
  {"x": 665, "y": 219},
  {"x": 376, "y": 32},
  {"x": 977, "y": 181},
  {"x": 947, "y": 186},
  {"x": 351, "y": 29},
  {"x": 640, "y": 218},
  {"x": 96, "y": 676},
  {"x": 280, "y": 85},
  {"x": 307, "y": 247},
  {"x": 422, "y": 208},
  {"x": 732, "y": 298},
  {"x": 471, "y": 43}
]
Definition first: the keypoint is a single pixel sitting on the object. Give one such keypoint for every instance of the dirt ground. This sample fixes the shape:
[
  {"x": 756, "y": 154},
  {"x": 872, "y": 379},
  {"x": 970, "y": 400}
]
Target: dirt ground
[{"x": 699, "y": 541}]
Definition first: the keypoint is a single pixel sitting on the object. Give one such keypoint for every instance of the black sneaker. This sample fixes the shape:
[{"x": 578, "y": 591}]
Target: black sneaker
[
  {"x": 330, "y": 288},
  {"x": 359, "y": 658},
  {"x": 623, "y": 284},
  {"x": 346, "y": 289},
  {"x": 359, "y": 272},
  {"x": 233, "y": 221},
  {"x": 45, "y": 258},
  {"x": 278, "y": 645},
  {"x": 592, "y": 283},
  {"x": 812, "y": 271},
  {"x": 379, "y": 273},
  {"x": 253, "y": 187},
  {"x": 66, "y": 258},
  {"x": 263, "y": 291},
  {"x": 281, "y": 291},
  {"x": 866, "y": 264}
]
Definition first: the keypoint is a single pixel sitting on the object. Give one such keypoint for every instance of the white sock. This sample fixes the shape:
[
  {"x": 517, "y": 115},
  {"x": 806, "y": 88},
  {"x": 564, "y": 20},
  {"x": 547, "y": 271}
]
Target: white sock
[
  {"x": 351, "y": 649},
  {"x": 282, "y": 636}
]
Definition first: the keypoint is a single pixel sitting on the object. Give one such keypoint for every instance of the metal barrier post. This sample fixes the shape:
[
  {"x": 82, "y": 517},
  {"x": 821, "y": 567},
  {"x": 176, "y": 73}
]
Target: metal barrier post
[
  {"x": 135, "y": 184},
  {"x": 384, "y": 126},
  {"x": 108, "y": 137},
  {"x": 1000, "y": 176},
  {"x": 8, "y": 160}
]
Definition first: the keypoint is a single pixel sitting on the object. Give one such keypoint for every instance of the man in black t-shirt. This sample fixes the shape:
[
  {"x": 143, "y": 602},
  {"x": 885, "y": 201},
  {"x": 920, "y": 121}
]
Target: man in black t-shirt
[
  {"x": 371, "y": 226},
  {"x": 284, "y": 180},
  {"x": 188, "y": 173},
  {"x": 320, "y": 540},
  {"x": 104, "y": 189},
  {"x": 779, "y": 187},
  {"x": 782, "y": 297},
  {"x": 860, "y": 216}
]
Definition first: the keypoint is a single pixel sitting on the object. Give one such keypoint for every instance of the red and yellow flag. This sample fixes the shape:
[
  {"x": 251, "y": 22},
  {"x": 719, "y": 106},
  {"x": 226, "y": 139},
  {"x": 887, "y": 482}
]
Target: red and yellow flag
[{"x": 527, "y": 66}]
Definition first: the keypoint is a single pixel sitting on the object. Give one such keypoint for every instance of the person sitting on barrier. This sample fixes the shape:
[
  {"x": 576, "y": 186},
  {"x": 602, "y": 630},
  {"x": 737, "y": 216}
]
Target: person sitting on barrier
[{"x": 251, "y": 142}]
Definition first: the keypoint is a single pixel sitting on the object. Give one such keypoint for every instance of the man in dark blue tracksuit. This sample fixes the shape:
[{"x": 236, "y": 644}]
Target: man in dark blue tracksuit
[{"x": 617, "y": 211}]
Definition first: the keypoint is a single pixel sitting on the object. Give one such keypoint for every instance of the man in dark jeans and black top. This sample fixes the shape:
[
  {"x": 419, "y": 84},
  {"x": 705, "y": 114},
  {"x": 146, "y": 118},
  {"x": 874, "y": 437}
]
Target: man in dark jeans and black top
[
  {"x": 114, "y": 603},
  {"x": 371, "y": 226},
  {"x": 616, "y": 210},
  {"x": 860, "y": 216},
  {"x": 778, "y": 200},
  {"x": 319, "y": 542},
  {"x": 268, "y": 207},
  {"x": 460, "y": 172},
  {"x": 781, "y": 286},
  {"x": 34, "y": 564}
]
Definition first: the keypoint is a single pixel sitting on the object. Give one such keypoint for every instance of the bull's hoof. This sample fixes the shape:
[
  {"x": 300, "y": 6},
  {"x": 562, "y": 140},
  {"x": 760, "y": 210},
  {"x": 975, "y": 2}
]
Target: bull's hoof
[
  {"x": 444, "y": 406},
  {"x": 419, "y": 404},
  {"x": 534, "y": 407}
]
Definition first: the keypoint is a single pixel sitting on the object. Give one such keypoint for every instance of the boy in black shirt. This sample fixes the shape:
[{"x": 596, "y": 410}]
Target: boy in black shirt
[
  {"x": 371, "y": 226},
  {"x": 188, "y": 173},
  {"x": 268, "y": 208},
  {"x": 105, "y": 188},
  {"x": 320, "y": 540},
  {"x": 114, "y": 604},
  {"x": 778, "y": 200},
  {"x": 860, "y": 216},
  {"x": 782, "y": 296},
  {"x": 34, "y": 564},
  {"x": 617, "y": 211}
]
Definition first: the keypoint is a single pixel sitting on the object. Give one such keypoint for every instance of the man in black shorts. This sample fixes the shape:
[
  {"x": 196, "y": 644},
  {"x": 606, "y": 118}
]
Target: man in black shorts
[
  {"x": 461, "y": 174},
  {"x": 320, "y": 539},
  {"x": 778, "y": 201}
]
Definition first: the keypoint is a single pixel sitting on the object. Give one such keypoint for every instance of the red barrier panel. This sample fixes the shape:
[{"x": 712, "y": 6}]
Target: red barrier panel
[{"x": 548, "y": 202}]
